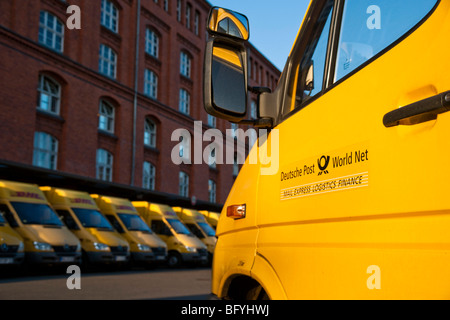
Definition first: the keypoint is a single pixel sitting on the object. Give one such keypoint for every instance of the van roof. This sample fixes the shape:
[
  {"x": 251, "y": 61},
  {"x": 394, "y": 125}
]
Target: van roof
[
  {"x": 191, "y": 214},
  {"x": 71, "y": 198},
  {"x": 23, "y": 192},
  {"x": 114, "y": 204},
  {"x": 156, "y": 209}
]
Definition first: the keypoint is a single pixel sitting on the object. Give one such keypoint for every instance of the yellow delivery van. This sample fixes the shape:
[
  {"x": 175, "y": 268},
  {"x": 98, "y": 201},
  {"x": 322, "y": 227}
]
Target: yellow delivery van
[
  {"x": 11, "y": 243},
  {"x": 211, "y": 217},
  {"x": 197, "y": 224},
  {"x": 183, "y": 247},
  {"x": 146, "y": 248},
  {"x": 343, "y": 196},
  {"x": 100, "y": 242},
  {"x": 46, "y": 239}
]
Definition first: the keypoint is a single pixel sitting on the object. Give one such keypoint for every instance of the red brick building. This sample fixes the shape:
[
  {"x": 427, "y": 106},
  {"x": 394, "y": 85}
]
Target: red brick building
[{"x": 102, "y": 101}]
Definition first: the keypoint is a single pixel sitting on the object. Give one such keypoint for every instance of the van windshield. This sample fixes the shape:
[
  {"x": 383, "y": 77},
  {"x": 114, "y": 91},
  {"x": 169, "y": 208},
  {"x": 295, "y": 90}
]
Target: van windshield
[
  {"x": 133, "y": 222},
  {"x": 92, "y": 219},
  {"x": 2, "y": 220},
  {"x": 207, "y": 229},
  {"x": 36, "y": 213},
  {"x": 178, "y": 226}
]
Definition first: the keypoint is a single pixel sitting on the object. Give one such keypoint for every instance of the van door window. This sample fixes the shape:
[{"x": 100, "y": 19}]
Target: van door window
[
  {"x": 308, "y": 63},
  {"x": 159, "y": 227},
  {"x": 368, "y": 27},
  {"x": 195, "y": 230},
  {"x": 115, "y": 223},
  {"x": 7, "y": 214},
  {"x": 68, "y": 220}
]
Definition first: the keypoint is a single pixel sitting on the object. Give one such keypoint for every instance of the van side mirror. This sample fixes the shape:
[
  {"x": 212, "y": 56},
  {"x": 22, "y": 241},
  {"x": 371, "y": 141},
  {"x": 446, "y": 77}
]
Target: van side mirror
[
  {"x": 229, "y": 23},
  {"x": 226, "y": 63}
]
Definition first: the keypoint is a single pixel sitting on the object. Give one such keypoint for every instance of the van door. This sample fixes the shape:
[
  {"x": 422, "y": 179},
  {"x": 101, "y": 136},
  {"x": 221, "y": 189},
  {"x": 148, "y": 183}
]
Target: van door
[{"x": 357, "y": 209}]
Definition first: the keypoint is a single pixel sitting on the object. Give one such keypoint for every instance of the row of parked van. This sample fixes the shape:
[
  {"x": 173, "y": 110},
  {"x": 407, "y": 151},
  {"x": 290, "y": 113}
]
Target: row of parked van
[{"x": 47, "y": 225}]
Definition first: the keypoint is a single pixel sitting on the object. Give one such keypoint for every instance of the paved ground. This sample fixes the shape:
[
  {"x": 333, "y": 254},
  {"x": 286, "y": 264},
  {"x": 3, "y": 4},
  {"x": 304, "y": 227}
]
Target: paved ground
[{"x": 159, "y": 284}]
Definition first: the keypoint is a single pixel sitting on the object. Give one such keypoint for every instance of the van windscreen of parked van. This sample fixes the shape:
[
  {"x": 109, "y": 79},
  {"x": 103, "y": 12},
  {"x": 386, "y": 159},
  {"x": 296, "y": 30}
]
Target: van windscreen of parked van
[
  {"x": 36, "y": 213},
  {"x": 179, "y": 227},
  {"x": 2, "y": 220},
  {"x": 207, "y": 229},
  {"x": 133, "y": 222},
  {"x": 92, "y": 219}
]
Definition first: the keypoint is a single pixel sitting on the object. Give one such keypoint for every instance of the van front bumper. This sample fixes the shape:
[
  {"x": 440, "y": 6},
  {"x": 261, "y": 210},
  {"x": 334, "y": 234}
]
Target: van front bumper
[
  {"x": 194, "y": 257},
  {"x": 52, "y": 258},
  {"x": 12, "y": 259},
  {"x": 99, "y": 257},
  {"x": 143, "y": 257}
]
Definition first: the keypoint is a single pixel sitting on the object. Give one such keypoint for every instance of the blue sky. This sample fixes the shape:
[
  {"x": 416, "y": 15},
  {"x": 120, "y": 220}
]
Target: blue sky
[{"x": 273, "y": 24}]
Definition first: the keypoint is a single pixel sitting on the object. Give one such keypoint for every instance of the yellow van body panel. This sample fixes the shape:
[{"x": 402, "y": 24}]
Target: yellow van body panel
[
  {"x": 57, "y": 237},
  {"x": 384, "y": 237}
]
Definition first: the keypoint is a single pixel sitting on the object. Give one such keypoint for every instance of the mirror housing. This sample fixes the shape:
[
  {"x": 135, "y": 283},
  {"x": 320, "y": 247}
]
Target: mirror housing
[
  {"x": 228, "y": 23},
  {"x": 226, "y": 66}
]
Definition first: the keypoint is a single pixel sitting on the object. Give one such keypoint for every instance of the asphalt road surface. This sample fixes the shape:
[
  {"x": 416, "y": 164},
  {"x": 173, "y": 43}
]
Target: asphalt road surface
[{"x": 158, "y": 284}]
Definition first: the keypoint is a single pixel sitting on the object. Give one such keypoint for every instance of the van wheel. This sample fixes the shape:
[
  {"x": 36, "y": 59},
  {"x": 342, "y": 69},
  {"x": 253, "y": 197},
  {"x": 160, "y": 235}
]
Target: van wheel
[{"x": 174, "y": 260}]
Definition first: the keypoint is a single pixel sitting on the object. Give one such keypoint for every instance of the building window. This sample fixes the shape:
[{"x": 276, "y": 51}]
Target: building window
[
  {"x": 184, "y": 102},
  {"x": 253, "y": 113},
  {"x": 188, "y": 15},
  {"x": 212, "y": 158},
  {"x": 197, "y": 23},
  {"x": 148, "y": 176},
  {"x": 106, "y": 117},
  {"x": 150, "y": 84},
  {"x": 150, "y": 133},
  {"x": 166, "y": 5},
  {"x": 235, "y": 165},
  {"x": 110, "y": 16},
  {"x": 49, "y": 95},
  {"x": 212, "y": 191},
  {"x": 152, "y": 43},
  {"x": 185, "y": 64},
  {"x": 179, "y": 10},
  {"x": 211, "y": 121},
  {"x": 107, "y": 64},
  {"x": 184, "y": 184},
  {"x": 45, "y": 153},
  {"x": 104, "y": 165},
  {"x": 51, "y": 31}
]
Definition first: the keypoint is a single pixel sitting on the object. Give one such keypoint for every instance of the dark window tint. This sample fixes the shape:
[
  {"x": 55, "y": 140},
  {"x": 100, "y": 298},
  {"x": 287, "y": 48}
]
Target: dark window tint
[
  {"x": 115, "y": 223},
  {"x": 92, "y": 219},
  {"x": 68, "y": 220},
  {"x": 195, "y": 230},
  {"x": 160, "y": 228},
  {"x": 368, "y": 27},
  {"x": 34, "y": 213}
]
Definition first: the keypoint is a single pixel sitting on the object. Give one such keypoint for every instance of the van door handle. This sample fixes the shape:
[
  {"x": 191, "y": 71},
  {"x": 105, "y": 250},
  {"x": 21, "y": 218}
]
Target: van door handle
[{"x": 418, "y": 112}]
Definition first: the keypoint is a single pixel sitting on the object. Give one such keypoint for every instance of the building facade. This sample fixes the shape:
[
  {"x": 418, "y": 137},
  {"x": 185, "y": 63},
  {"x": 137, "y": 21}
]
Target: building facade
[{"x": 103, "y": 101}]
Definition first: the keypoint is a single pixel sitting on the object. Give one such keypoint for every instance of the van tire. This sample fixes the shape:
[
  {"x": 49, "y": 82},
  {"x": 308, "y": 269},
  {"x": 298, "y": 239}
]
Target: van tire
[{"x": 174, "y": 260}]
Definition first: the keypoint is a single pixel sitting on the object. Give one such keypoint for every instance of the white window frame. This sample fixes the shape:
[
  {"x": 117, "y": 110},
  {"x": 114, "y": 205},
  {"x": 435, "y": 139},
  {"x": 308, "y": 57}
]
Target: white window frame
[
  {"x": 185, "y": 101},
  {"x": 150, "y": 84},
  {"x": 185, "y": 64},
  {"x": 106, "y": 116},
  {"x": 107, "y": 62},
  {"x": 150, "y": 130},
  {"x": 51, "y": 29},
  {"x": 110, "y": 16},
  {"x": 51, "y": 89},
  {"x": 104, "y": 165},
  {"x": 183, "y": 185},
  {"x": 148, "y": 176},
  {"x": 152, "y": 43},
  {"x": 45, "y": 152}
]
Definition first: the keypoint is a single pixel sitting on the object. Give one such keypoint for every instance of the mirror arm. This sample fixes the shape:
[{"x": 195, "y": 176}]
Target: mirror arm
[
  {"x": 259, "y": 123},
  {"x": 259, "y": 90}
]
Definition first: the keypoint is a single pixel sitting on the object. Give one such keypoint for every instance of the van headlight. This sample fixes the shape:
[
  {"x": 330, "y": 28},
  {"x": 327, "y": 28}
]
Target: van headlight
[
  {"x": 191, "y": 249},
  {"x": 21, "y": 247},
  {"x": 143, "y": 247},
  {"x": 42, "y": 246},
  {"x": 101, "y": 246},
  {"x": 78, "y": 247}
]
